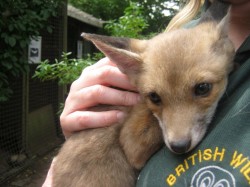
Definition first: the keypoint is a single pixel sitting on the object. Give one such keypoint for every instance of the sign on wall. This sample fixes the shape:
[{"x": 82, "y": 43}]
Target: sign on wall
[
  {"x": 79, "y": 49},
  {"x": 35, "y": 50}
]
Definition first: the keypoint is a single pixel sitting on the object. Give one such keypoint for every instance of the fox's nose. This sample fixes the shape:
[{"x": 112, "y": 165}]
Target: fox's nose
[{"x": 180, "y": 147}]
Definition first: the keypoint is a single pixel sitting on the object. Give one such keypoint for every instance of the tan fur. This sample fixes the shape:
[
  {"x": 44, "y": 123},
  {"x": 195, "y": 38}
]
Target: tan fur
[
  {"x": 171, "y": 65},
  {"x": 93, "y": 158},
  {"x": 180, "y": 69},
  {"x": 140, "y": 136}
]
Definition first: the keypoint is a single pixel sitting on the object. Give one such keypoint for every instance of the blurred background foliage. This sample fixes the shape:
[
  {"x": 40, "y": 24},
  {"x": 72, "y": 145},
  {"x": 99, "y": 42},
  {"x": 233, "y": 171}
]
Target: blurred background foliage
[
  {"x": 21, "y": 19},
  {"x": 157, "y": 13},
  {"x": 134, "y": 19}
]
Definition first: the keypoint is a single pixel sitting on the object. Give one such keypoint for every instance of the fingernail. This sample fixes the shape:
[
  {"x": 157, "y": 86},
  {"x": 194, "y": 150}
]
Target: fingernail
[{"x": 121, "y": 117}]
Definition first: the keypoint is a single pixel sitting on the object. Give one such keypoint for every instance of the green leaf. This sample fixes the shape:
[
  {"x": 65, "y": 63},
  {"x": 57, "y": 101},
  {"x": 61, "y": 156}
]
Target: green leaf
[
  {"x": 23, "y": 43},
  {"x": 5, "y": 93},
  {"x": 11, "y": 28},
  {"x": 7, "y": 65},
  {"x": 12, "y": 41},
  {"x": 49, "y": 29}
]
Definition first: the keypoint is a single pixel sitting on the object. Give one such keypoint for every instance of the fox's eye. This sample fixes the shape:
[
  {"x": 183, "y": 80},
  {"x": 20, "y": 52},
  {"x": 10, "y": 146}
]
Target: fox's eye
[
  {"x": 155, "y": 98},
  {"x": 202, "y": 89}
]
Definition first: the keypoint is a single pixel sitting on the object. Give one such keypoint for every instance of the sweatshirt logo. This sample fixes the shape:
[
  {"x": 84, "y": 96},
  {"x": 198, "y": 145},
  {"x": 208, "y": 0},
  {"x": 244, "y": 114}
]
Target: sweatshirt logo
[
  {"x": 236, "y": 162},
  {"x": 213, "y": 176}
]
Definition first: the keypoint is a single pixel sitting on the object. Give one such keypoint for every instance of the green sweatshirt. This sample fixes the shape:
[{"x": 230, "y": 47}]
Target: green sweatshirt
[{"x": 223, "y": 156}]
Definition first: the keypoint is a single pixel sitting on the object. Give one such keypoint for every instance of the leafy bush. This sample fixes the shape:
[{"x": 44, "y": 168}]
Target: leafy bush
[
  {"x": 19, "y": 21},
  {"x": 130, "y": 25},
  {"x": 65, "y": 71}
]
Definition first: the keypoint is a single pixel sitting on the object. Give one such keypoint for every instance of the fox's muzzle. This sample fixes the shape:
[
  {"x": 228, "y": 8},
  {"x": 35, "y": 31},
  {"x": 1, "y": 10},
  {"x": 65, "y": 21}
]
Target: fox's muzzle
[{"x": 180, "y": 147}]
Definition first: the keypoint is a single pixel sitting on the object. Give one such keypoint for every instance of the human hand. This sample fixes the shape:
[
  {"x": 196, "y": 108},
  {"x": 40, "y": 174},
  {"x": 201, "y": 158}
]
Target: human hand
[
  {"x": 48, "y": 180},
  {"x": 94, "y": 87}
]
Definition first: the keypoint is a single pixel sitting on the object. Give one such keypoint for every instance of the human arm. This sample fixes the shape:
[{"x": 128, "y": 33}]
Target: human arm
[{"x": 95, "y": 86}]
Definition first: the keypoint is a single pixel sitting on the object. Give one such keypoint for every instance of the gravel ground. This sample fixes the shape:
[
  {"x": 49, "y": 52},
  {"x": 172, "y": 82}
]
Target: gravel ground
[{"x": 34, "y": 175}]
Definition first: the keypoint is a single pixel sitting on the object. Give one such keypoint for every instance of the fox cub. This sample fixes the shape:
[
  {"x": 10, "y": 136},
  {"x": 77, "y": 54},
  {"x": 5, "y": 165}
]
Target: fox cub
[{"x": 181, "y": 75}]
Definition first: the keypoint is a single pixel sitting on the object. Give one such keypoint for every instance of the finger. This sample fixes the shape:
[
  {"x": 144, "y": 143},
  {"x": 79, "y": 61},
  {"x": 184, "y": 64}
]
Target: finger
[
  {"x": 103, "y": 62},
  {"x": 106, "y": 75},
  {"x": 49, "y": 177},
  {"x": 81, "y": 120},
  {"x": 98, "y": 94},
  {"x": 82, "y": 80}
]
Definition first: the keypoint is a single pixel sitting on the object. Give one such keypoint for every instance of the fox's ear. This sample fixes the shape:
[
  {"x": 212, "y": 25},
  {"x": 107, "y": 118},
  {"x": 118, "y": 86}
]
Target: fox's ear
[
  {"x": 223, "y": 25},
  {"x": 224, "y": 45},
  {"x": 119, "y": 50},
  {"x": 216, "y": 12},
  {"x": 223, "y": 42}
]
